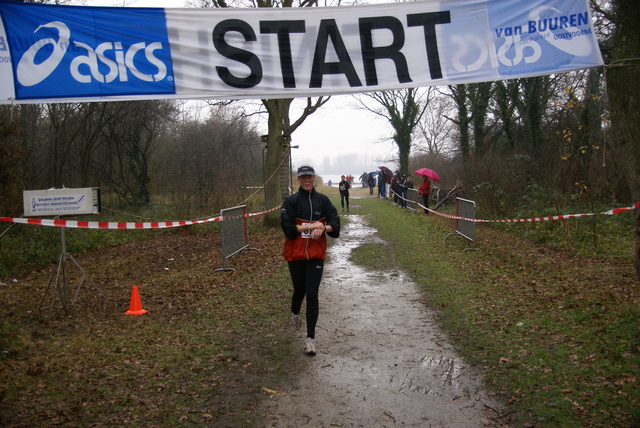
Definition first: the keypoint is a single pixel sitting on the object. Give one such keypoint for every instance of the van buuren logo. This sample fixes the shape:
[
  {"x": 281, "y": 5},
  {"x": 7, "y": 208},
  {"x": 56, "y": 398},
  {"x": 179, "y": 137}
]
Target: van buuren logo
[{"x": 106, "y": 63}]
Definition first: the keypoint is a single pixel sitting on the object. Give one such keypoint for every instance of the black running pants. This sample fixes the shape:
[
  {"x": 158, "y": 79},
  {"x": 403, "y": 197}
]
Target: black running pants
[{"x": 306, "y": 276}]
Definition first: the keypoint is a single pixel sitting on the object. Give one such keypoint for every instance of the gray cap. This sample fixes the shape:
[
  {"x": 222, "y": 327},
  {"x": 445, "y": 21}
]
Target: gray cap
[{"x": 306, "y": 170}]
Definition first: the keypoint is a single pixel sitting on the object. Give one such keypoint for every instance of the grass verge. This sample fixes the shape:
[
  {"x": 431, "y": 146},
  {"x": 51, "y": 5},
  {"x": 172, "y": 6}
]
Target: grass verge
[{"x": 557, "y": 335}]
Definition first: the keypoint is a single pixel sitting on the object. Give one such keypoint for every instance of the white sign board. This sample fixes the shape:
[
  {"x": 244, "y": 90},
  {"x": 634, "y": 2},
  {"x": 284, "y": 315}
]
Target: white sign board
[{"x": 54, "y": 202}]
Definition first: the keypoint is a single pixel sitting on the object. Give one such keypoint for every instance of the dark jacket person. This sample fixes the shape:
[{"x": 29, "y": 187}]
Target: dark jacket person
[{"x": 306, "y": 218}]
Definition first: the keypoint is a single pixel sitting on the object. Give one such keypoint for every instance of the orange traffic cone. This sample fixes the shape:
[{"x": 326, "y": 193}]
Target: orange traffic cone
[{"x": 135, "y": 308}]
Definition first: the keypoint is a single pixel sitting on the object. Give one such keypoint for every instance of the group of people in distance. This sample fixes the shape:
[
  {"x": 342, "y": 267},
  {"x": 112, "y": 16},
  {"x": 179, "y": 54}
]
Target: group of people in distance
[{"x": 400, "y": 184}]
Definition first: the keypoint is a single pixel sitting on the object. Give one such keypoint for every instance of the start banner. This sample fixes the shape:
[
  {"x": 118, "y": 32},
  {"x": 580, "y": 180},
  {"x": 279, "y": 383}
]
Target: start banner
[{"x": 51, "y": 53}]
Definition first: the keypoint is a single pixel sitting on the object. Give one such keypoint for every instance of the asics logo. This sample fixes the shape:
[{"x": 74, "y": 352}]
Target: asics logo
[{"x": 119, "y": 63}]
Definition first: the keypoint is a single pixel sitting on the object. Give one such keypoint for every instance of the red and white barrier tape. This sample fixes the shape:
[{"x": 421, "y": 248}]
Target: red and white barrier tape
[
  {"x": 180, "y": 223},
  {"x": 547, "y": 218},
  {"x": 532, "y": 219},
  {"x": 123, "y": 225}
]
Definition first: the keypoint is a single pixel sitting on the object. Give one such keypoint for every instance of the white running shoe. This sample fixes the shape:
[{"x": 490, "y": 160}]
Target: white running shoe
[
  {"x": 309, "y": 346},
  {"x": 297, "y": 322}
]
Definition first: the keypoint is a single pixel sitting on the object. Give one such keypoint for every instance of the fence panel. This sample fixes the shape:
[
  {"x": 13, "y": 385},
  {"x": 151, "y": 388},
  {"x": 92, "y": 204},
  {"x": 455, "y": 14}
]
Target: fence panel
[
  {"x": 412, "y": 199},
  {"x": 234, "y": 232},
  {"x": 465, "y": 228}
]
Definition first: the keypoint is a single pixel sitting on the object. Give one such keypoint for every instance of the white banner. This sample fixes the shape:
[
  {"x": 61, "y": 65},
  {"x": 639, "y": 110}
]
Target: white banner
[{"x": 51, "y": 53}]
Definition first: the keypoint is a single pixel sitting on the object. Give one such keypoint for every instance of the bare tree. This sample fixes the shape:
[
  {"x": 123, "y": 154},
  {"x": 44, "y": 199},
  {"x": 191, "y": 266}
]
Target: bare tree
[
  {"x": 505, "y": 92},
  {"x": 204, "y": 163},
  {"x": 480, "y": 95},
  {"x": 462, "y": 119},
  {"x": 62, "y": 134},
  {"x": 129, "y": 138},
  {"x": 403, "y": 109},
  {"x": 435, "y": 130}
]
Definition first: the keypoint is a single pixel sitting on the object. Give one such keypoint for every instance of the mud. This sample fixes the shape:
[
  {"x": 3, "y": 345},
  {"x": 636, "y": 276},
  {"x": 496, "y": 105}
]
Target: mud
[{"x": 382, "y": 360}]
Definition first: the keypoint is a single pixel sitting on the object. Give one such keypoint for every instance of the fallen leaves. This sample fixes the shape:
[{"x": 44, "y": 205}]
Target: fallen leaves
[
  {"x": 272, "y": 392},
  {"x": 190, "y": 360}
]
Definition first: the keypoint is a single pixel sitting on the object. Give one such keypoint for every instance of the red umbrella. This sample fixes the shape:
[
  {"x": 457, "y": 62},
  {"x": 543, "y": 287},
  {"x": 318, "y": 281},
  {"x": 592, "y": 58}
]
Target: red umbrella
[{"x": 429, "y": 173}]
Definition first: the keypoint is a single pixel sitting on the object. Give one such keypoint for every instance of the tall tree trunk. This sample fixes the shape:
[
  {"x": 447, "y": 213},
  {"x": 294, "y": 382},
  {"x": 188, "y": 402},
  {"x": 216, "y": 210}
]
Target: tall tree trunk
[
  {"x": 623, "y": 79},
  {"x": 278, "y": 135},
  {"x": 534, "y": 101},
  {"x": 505, "y": 111},
  {"x": 462, "y": 120},
  {"x": 404, "y": 117},
  {"x": 590, "y": 124},
  {"x": 480, "y": 95},
  {"x": 402, "y": 139}
]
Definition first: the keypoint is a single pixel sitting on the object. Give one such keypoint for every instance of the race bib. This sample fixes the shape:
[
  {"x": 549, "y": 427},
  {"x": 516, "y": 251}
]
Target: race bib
[{"x": 307, "y": 233}]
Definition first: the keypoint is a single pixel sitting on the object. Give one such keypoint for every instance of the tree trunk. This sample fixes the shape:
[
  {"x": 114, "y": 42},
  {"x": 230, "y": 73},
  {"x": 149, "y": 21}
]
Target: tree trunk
[
  {"x": 278, "y": 135},
  {"x": 535, "y": 99},
  {"x": 403, "y": 141},
  {"x": 460, "y": 96},
  {"x": 505, "y": 112},
  {"x": 480, "y": 94}
]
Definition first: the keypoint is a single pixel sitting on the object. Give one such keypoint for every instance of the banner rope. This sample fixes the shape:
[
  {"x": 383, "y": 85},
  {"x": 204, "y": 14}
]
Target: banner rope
[
  {"x": 124, "y": 225},
  {"x": 612, "y": 211},
  {"x": 180, "y": 223}
]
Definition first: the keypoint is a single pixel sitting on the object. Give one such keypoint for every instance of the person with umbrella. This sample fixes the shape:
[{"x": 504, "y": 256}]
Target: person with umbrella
[
  {"x": 425, "y": 190},
  {"x": 425, "y": 187}
]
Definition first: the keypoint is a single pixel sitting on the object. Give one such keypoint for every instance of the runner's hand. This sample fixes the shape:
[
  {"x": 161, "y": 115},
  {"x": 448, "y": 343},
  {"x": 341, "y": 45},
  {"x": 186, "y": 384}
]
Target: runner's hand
[{"x": 318, "y": 230}]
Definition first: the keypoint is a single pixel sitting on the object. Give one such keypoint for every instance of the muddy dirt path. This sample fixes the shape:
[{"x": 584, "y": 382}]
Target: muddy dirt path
[{"x": 381, "y": 361}]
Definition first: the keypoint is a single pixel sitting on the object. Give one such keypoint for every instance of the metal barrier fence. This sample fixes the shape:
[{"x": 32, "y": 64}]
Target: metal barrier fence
[
  {"x": 412, "y": 199},
  {"x": 234, "y": 233},
  {"x": 467, "y": 229}
]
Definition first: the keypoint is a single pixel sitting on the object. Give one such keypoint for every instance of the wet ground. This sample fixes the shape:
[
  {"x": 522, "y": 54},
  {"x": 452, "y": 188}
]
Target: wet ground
[{"x": 382, "y": 361}]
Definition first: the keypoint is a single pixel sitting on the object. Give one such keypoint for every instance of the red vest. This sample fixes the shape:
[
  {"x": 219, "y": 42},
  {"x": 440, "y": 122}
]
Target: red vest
[{"x": 305, "y": 248}]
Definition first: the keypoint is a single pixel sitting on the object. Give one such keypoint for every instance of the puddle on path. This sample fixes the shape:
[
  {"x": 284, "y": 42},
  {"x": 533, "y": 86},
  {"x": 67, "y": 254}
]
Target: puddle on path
[{"x": 381, "y": 361}]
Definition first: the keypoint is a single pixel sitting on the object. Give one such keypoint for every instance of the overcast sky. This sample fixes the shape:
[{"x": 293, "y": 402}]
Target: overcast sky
[{"x": 339, "y": 139}]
